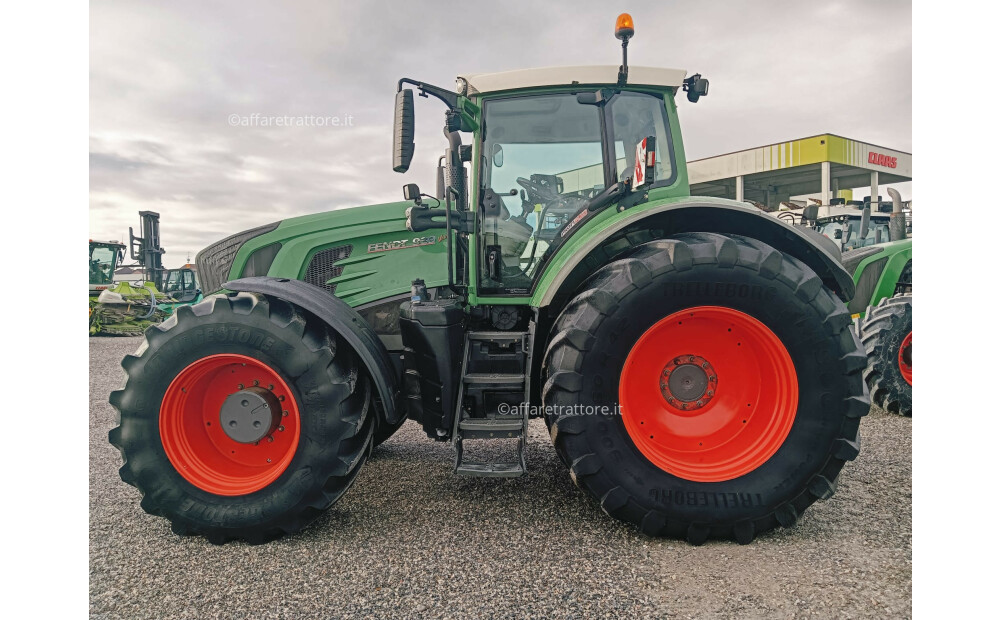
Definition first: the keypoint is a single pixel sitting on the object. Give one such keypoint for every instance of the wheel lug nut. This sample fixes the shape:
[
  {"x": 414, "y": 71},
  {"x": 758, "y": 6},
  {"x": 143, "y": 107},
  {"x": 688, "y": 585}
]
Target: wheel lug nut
[
  {"x": 700, "y": 403},
  {"x": 268, "y": 460},
  {"x": 704, "y": 364},
  {"x": 240, "y": 386},
  {"x": 270, "y": 439},
  {"x": 281, "y": 428},
  {"x": 256, "y": 382},
  {"x": 711, "y": 393},
  {"x": 284, "y": 414},
  {"x": 282, "y": 397},
  {"x": 270, "y": 386},
  {"x": 712, "y": 378}
]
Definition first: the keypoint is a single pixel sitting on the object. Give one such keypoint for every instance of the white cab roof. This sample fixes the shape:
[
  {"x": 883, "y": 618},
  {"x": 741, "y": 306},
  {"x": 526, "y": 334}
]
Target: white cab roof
[{"x": 566, "y": 76}]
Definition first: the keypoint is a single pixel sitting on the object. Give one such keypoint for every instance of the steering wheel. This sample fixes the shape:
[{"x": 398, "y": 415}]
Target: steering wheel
[{"x": 545, "y": 194}]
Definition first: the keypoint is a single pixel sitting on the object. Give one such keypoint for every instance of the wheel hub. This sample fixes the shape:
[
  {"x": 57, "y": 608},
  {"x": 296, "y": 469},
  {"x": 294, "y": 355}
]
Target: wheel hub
[
  {"x": 249, "y": 415},
  {"x": 688, "y": 382}
]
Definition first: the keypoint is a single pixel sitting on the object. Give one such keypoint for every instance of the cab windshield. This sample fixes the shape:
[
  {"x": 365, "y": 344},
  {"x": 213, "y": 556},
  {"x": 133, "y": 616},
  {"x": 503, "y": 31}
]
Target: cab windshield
[
  {"x": 102, "y": 264},
  {"x": 545, "y": 157}
]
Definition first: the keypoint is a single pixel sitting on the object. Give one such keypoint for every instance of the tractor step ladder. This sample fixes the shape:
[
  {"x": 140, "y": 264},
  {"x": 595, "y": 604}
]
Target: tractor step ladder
[{"x": 495, "y": 372}]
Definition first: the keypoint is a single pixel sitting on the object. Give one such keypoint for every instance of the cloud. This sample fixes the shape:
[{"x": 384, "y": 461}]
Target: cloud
[{"x": 166, "y": 76}]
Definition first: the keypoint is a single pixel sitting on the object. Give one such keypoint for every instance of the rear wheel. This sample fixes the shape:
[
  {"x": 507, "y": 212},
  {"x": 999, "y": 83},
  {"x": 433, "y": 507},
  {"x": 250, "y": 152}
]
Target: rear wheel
[
  {"x": 242, "y": 417},
  {"x": 705, "y": 386},
  {"x": 887, "y": 335}
]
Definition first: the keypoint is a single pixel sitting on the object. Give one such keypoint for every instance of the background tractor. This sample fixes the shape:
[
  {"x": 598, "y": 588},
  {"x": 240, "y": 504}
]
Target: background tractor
[
  {"x": 882, "y": 267},
  {"x": 878, "y": 250},
  {"x": 693, "y": 358},
  {"x": 127, "y": 309},
  {"x": 105, "y": 256}
]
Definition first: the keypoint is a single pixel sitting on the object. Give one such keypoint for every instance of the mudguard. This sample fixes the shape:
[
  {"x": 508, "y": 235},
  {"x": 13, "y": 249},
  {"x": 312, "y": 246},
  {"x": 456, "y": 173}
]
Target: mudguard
[
  {"x": 699, "y": 214},
  {"x": 346, "y": 321}
]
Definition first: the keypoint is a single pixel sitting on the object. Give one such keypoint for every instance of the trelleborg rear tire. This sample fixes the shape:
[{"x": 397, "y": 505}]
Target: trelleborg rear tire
[
  {"x": 242, "y": 417},
  {"x": 705, "y": 386}
]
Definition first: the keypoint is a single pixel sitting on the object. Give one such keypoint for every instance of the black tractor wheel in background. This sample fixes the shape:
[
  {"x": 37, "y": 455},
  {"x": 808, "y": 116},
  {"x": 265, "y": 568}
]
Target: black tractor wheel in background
[
  {"x": 705, "y": 386},
  {"x": 242, "y": 417},
  {"x": 887, "y": 335}
]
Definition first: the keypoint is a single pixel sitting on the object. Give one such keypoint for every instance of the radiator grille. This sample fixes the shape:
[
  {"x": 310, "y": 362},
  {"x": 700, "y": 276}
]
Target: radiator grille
[{"x": 321, "y": 268}]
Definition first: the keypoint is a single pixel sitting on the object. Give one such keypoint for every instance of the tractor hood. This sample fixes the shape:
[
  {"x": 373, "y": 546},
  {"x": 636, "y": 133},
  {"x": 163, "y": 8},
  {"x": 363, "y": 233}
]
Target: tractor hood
[{"x": 360, "y": 254}]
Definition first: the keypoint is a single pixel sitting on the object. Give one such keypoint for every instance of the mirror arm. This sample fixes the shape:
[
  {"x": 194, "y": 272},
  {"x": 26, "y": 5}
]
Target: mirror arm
[{"x": 449, "y": 98}]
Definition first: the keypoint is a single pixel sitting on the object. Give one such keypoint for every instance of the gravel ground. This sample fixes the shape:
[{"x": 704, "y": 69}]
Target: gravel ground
[{"x": 410, "y": 539}]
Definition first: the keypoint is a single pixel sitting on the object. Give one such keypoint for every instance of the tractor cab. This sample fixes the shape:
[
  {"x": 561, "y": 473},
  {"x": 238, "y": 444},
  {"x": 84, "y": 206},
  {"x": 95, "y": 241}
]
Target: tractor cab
[
  {"x": 105, "y": 256},
  {"x": 552, "y": 149},
  {"x": 181, "y": 285},
  {"x": 847, "y": 226}
]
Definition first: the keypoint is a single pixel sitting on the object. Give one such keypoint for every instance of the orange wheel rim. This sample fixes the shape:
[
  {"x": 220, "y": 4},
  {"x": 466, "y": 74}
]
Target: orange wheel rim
[
  {"x": 906, "y": 358},
  {"x": 708, "y": 394},
  {"x": 191, "y": 425}
]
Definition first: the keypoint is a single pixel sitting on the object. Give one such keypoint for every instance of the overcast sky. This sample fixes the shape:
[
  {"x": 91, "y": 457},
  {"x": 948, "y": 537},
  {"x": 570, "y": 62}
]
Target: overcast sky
[{"x": 166, "y": 78}]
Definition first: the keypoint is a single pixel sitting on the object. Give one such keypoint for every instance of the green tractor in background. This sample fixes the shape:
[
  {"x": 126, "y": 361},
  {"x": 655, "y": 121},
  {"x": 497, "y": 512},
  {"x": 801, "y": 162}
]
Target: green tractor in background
[
  {"x": 877, "y": 249},
  {"x": 883, "y": 302},
  {"x": 693, "y": 358}
]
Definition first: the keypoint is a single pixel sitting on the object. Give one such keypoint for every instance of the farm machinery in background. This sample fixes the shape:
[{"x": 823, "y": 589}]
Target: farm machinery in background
[
  {"x": 877, "y": 249},
  {"x": 127, "y": 308}
]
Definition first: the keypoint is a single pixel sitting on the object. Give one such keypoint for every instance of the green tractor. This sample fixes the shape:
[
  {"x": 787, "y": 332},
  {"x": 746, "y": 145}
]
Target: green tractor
[
  {"x": 883, "y": 303},
  {"x": 693, "y": 358},
  {"x": 878, "y": 251}
]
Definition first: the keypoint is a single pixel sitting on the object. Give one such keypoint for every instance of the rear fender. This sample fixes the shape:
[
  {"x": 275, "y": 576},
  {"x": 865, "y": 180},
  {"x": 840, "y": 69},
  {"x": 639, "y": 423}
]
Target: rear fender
[
  {"x": 345, "y": 321},
  {"x": 565, "y": 272}
]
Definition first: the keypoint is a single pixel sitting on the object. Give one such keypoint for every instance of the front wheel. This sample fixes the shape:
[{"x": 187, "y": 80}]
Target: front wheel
[
  {"x": 706, "y": 386},
  {"x": 887, "y": 334},
  {"x": 242, "y": 417}
]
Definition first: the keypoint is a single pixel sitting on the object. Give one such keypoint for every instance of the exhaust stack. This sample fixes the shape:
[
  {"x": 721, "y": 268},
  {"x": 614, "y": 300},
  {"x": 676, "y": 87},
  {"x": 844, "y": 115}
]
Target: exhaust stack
[{"x": 897, "y": 219}]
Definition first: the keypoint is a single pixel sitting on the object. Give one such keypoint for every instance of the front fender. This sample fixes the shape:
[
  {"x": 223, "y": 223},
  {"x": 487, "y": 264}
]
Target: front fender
[
  {"x": 346, "y": 321},
  {"x": 698, "y": 214}
]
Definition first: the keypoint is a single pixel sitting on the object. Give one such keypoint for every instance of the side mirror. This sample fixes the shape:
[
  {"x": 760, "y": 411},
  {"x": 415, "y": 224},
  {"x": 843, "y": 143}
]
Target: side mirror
[
  {"x": 810, "y": 213},
  {"x": 439, "y": 189},
  {"x": 411, "y": 192},
  {"x": 497, "y": 155},
  {"x": 838, "y": 234},
  {"x": 402, "y": 131},
  {"x": 696, "y": 87}
]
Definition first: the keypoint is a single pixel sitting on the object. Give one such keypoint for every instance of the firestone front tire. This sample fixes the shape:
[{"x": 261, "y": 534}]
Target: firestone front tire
[
  {"x": 706, "y": 386},
  {"x": 242, "y": 417}
]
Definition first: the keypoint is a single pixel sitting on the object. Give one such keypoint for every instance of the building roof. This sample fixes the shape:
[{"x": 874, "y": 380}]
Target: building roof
[
  {"x": 567, "y": 76},
  {"x": 793, "y": 168}
]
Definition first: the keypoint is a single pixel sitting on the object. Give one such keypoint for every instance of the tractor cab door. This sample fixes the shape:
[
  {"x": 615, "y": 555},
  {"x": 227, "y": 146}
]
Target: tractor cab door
[{"x": 545, "y": 157}]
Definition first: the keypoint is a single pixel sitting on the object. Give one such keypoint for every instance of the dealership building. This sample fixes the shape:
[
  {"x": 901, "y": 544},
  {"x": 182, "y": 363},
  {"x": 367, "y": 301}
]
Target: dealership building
[{"x": 827, "y": 164}]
